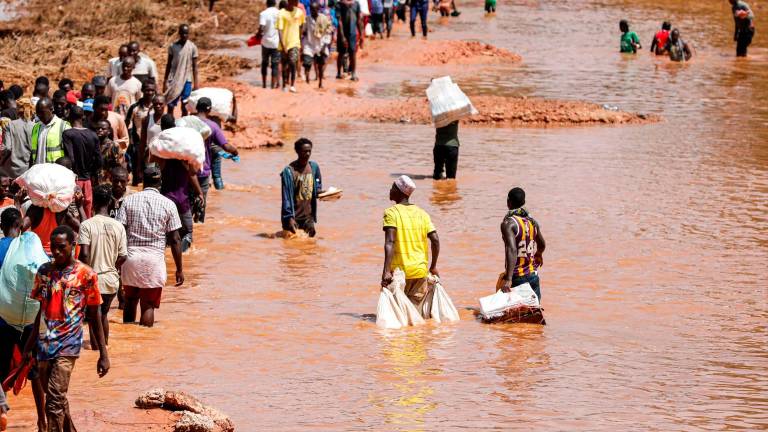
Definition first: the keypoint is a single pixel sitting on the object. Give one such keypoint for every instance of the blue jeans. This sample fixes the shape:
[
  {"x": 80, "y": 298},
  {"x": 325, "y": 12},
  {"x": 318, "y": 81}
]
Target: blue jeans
[
  {"x": 218, "y": 182},
  {"x": 421, "y": 11},
  {"x": 533, "y": 280}
]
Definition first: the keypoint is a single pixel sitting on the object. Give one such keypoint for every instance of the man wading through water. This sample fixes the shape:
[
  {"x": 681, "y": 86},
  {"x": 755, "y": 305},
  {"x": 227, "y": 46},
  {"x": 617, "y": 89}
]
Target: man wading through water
[
  {"x": 523, "y": 245},
  {"x": 301, "y": 184},
  {"x": 406, "y": 230}
]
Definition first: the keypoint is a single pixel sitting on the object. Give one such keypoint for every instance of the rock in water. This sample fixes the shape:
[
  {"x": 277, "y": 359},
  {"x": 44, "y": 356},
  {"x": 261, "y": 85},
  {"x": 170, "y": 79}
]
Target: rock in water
[
  {"x": 191, "y": 422},
  {"x": 180, "y": 401},
  {"x": 151, "y": 399}
]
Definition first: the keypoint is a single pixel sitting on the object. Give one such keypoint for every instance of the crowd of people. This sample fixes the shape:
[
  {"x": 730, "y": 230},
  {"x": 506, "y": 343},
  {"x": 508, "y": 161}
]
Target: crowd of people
[
  {"x": 668, "y": 41},
  {"x": 306, "y": 31},
  {"x": 109, "y": 243}
]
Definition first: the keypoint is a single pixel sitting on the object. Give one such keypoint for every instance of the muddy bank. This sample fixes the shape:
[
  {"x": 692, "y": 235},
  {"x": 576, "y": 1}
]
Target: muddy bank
[
  {"x": 76, "y": 39},
  {"x": 436, "y": 53},
  {"x": 509, "y": 112}
]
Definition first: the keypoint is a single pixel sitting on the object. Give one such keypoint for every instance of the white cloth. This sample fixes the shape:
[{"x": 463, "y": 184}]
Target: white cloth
[
  {"x": 144, "y": 268},
  {"x": 145, "y": 66},
  {"x": 405, "y": 184},
  {"x": 113, "y": 68},
  {"x": 268, "y": 19}
]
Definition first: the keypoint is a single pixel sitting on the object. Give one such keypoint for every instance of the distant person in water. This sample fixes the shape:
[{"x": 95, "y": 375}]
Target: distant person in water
[
  {"x": 301, "y": 184},
  {"x": 744, "y": 20},
  {"x": 678, "y": 49},
  {"x": 523, "y": 245},
  {"x": 490, "y": 6},
  {"x": 660, "y": 39},
  {"x": 446, "y": 151},
  {"x": 629, "y": 42}
]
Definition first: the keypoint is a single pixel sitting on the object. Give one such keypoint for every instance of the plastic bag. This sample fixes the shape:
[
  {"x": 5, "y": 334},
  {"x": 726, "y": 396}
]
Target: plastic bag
[
  {"x": 180, "y": 143},
  {"x": 368, "y": 30},
  {"x": 388, "y": 313},
  {"x": 437, "y": 304},
  {"x": 221, "y": 101},
  {"x": 447, "y": 102},
  {"x": 49, "y": 185},
  {"x": 17, "y": 276},
  {"x": 395, "y": 310},
  {"x": 499, "y": 304},
  {"x": 196, "y": 123}
]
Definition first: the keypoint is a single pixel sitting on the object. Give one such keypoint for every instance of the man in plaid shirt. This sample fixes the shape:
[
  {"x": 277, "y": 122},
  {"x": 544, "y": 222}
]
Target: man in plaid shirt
[{"x": 151, "y": 221}]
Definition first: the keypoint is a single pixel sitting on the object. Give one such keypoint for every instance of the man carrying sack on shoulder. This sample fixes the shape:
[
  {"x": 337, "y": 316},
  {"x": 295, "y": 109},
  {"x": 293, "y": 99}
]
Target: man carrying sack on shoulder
[{"x": 406, "y": 231}]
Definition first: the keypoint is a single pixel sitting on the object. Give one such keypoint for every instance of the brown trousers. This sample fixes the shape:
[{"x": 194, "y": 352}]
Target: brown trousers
[
  {"x": 55, "y": 375},
  {"x": 415, "y": 289}
]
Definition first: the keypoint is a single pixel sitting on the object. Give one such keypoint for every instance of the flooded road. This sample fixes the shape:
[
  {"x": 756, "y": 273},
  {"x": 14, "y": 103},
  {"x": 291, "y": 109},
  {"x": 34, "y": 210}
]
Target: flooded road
[{"x": 654, "y": 281}]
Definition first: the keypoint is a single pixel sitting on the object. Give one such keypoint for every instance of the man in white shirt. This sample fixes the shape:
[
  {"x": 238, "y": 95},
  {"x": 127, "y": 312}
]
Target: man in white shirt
[
  {"x": 124, "y": 90},
  {"x": 113, "y": 68},
  {"x": 145, "y": 68},
  {"x": 270, "y": 41}
]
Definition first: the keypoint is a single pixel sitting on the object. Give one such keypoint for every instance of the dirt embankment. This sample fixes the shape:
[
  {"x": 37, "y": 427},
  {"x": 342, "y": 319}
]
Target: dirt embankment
[
  {"x": 508, "y": 112},
  {"x": 438, "y": 53},
  {"x": 74, "y": 39}
]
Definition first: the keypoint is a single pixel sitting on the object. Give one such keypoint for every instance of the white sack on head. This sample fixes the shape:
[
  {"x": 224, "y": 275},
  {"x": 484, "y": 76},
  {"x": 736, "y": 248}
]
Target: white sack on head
[
  {"x": 181, "y": 143},
  {"x": 49, "y": 185}
]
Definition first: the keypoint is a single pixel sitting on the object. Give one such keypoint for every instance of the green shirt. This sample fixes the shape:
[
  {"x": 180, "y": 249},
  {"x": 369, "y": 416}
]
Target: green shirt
[
  {"x": 627, "y": 40},
  {"x": 448, "y": 135}
]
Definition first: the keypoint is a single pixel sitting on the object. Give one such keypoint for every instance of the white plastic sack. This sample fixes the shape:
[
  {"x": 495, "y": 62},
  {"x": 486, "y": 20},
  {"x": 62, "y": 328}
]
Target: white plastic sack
[
  {"x": 368, "y": 30},
  {"x": 497, "y": 304},
  {"x": 447, "y": 102},
  {"x": 180, "y": 143},
  {"x": 437, "y": 304},
  {"x": 49, "y": 185},
  {"x": 388, "y": 313},
  {"x": 17, "y": 276},
  {"x": 196, "y": 123},
  {"x": 395, "y": 310},
  {"x": 221, "y": 101}
]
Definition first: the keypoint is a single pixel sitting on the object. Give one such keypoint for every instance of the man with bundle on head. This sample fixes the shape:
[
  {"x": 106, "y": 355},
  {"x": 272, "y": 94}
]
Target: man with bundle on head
[
  {"x": 523, "y": 245},
  {"x": 406, "y": 230}
]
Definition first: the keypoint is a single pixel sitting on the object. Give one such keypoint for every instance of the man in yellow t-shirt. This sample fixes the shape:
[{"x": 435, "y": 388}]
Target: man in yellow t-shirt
[
  {"x": 406, "y": 230},
  {"x": 289, "y": 29}
]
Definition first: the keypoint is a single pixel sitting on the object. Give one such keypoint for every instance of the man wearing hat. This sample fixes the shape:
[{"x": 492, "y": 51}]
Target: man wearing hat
[
  {"x": 151, "y": 220},
  {"x": 406, "y": 230}
]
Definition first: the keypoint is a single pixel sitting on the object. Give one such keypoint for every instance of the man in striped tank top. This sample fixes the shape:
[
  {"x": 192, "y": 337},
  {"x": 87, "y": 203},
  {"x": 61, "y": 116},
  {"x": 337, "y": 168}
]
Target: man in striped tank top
[{"x": 523, "y": 245}]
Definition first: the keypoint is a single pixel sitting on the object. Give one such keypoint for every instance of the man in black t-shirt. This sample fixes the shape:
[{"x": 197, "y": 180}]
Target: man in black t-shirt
[{"x": 81, "y": 145}]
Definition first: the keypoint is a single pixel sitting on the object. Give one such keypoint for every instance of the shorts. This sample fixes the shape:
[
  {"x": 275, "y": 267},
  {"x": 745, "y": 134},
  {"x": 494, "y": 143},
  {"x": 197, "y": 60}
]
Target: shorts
[
  {"x": 147, "y": 296},
  {"x": 415, "y": 289},
  {"x": 308, "y": 60},
  {"x": 184, "y": 95},
  {"x": 270, "y": 56},
  {"x": 292, "y": 56},
  {"x": 352, "y": 38}
]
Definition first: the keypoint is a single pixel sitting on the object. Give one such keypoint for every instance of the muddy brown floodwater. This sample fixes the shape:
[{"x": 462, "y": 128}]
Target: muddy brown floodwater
[{"x": 654, "y": 281}]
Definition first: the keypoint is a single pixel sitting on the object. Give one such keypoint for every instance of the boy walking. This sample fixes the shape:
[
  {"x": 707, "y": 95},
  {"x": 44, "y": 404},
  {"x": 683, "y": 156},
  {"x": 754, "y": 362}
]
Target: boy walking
[{"x": 68, "y": 293}]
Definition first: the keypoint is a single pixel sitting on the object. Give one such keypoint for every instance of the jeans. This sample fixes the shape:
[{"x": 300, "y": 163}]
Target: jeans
[
  {"x": 270, "y": 58},
  {"x": 448, "y": 157},
  {"x": 55, "y": 374},
  {"x": 389, "y": 16},
  {"x": 205, "y": 185},
  {"x": 422, "y": 11},
  {"x": 218, "y": 181},
  {"x": 533, "y": 280},
  {"x": 187, "y": 222}
]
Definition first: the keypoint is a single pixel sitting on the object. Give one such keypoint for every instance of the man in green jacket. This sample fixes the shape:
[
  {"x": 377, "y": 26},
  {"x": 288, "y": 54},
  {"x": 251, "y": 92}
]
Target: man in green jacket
[{"x": 46, "y": 135}]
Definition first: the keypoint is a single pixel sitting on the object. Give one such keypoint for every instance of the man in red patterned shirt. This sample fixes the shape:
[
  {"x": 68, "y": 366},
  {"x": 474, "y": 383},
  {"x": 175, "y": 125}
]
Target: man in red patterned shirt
[{"x": 68, "y": 292}]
